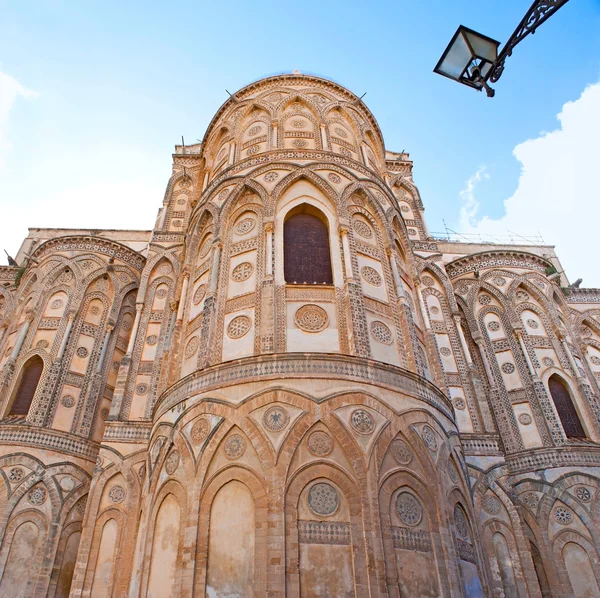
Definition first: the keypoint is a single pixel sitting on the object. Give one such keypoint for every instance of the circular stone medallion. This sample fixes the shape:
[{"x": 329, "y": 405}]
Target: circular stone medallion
[
  {"x": 362, "y": 228},
  {"x": 239, "y": 327},
  {"x": 525, "y": 419},
  {"x": 271, "y": 177},
  {"x": 531, "y": 500},
  {"x": 191, "y": 347},
  {"x": 371, "y": 276},
  {"x": 583, "y": 494},
  {"x": 460, "y": 522},
  {"x": 235, "y": 446},
  {"x": 172, "y": 462},
  {"x": 117, "y": 494},
  {"x": 320, "y": 444},
  {"x": 429, "y": 438},
  {"x": 334, "y": 178},
  {"x": 563, "y": 515},
  {"x": 199, "y": 294},
  {"x": 381, "y": 332},
  {"x": 67, "y": 401},
  {"x": 245, "y": 225},
  {"x": 401, "y": 452},
  {"x": 508, "y": 368},
  {"x": 494, "y": 326},
  {"x": 16, "y": 474},
  {"x": 37, "y": 496},
  {"x": 409, "y": 509},
  {"x": 67, "y": 483},
  {"x": 242, "y": 272},
  {"x": 200, "y": 430},
  {"x": 311, "y": 318},
  {"x": 81, "y": 352},
  {"x": 275, "y": 419},
  {"x": 323, "y": 499},
  {"x": 362, "y": 421},
  {"x": 491, "y": 504}
]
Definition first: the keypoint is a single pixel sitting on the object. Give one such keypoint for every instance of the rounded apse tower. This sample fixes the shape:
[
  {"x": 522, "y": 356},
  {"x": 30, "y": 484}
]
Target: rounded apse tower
[{"x": 289, "y": 388}]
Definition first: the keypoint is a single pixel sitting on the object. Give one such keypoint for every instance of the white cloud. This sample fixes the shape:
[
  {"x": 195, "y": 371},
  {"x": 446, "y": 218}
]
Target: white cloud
[
  {"x": 10, "y": 91},
  {"x": 558, "y": 194}
]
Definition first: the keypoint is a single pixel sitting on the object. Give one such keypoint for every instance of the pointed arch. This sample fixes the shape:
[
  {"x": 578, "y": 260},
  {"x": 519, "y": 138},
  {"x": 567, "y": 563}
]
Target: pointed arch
[
  {"x": 565, "y": 407},
  {"x": 27, "y": 385}
]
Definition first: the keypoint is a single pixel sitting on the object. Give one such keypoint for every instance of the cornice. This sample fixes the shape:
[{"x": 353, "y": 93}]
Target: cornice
[{"x": 500, "y": 258}]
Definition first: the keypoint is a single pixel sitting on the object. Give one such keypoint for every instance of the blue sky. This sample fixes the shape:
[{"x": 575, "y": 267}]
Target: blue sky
[{"x": 93, "y": 96}]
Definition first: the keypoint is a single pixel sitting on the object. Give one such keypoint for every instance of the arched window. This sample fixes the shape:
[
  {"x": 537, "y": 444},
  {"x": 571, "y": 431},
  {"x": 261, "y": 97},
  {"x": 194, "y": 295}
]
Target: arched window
[
  {"x": 566, "y": 410},
  {"x": 306, "y": 248},
  {"x": 30, "y": 378}
]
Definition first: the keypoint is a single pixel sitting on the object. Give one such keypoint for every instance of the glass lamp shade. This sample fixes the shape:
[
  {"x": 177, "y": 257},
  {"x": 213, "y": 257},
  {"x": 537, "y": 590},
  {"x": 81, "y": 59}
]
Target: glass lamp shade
[{"x": 467, "y": 51}]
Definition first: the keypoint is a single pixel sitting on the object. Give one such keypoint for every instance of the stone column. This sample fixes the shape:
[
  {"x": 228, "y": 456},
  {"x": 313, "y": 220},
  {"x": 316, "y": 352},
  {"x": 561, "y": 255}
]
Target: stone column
[
  {"x": 400, "y": 292},
  {"x": 232, "y": 153},
  {"x": 109, "y": 330},
  {"x": 324, "y": 138},
  {"x": 138, "y": 314},
  {"x": 21, "y": 338},
  {"x": 214, "y": 273},
  {"x": 347, "y": 256},
  {"x": 519, "y": 334},
  {"x": 422, "y": 305},
  {"x": 65, "y": 340},
  {"x": 269, "y": 249},
  {"x": 274, "y": 127},
  {"x": 182, "y": 298}
]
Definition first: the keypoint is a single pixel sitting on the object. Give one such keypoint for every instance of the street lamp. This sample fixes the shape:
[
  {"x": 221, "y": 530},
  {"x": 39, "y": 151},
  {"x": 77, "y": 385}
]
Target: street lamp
[{"x": 472, "y": 58}]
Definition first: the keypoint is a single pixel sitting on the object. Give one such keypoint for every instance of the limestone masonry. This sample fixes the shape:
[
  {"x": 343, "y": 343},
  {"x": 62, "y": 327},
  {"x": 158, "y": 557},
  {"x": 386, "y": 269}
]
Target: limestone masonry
[{"x": 289, "y": 388}]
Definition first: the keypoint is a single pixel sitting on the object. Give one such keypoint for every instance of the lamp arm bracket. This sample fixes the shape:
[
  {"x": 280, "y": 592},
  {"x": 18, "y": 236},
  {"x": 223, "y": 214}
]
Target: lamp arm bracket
[{"x": 539, "y": 12}]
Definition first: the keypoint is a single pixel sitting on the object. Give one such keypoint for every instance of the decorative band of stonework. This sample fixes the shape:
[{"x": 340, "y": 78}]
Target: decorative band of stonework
[
  {"x": 574, "y": 456},
  {"x": 121, "y": 432},
  {"x": 44, "y": 438},
  {"x": 317, "y": 366},
  {"x": 411, "y": 539},
  {"x": 324, "y": 532}
]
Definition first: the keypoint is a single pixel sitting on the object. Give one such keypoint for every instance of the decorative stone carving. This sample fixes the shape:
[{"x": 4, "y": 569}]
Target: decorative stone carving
[
  {"x": 381, "y": 332},
  {"x": 525, "y": 419},
  {"x": 172, "y": 462},
  {"x": 334, "y": 178},
  {"x": 508, "y": 368},
  {"x": 460, "y": 522},
  {"x": 299, "y": 143},
  {"x": 429, "y": 438},
  {"x": 595, "y": 359},
  {"x": 491, "y": 504},
  {"x": 235, "y": 447},
  {"x": 494, "y": 326},
  {"x": 191, "y": 347},
  {"x": 239, "y": 327},
  {"x": 81, "y": 352},
  {"x": 117, "y": 494},
  {"x": 56, "y": 304},
  {"x": 499, "y": 281},
  {"x": 67, "y": 483},
  {"x": 242, "y": 272},
  {"x": 42, "y": 344},
  {"x": 323, "y": 499},
  {"x": 531, "y": 499},
  {"x": 200, "y": 430},
  {"x": 362, "y": 421},
  {"x": 548, "y": 362},
  {"x": 445, "y": 351},
  {"x": 16, "y": 474},
  {"x": 427, "y": 281},
  {"x": 563, "y": 516},
  {"x": 142, "y": 388},
  {"x": 484, "y": 299},
  {"x": 452, "y": 472},
  {"x": 161, "y": 293},
  {"x": 37, "y": 496},
  {"x": 401, "y": 452},
  {"x": 320, "y": 444},
  {"x": 409, "y": 509},
  {"x": 255, "y": 130},
  {"x": 199, "y": 294},
  {"x": 532, "y": 324},
  {"x": 362, "y": 228},
  {"x": 583, "y": 494},
  {"x": 459, "y": 403},
  {"x": 311, "y": 318},
  {"x": 244, "y": 226},
  {"x": 67, "y": 401},
  {"x": 271, "y": 177},
  {"x": 276, "y": 419},
  {"x": 371, "y": 276},
  {"x": 522, "y": 296},
  {"x": 152, "y": 340}
]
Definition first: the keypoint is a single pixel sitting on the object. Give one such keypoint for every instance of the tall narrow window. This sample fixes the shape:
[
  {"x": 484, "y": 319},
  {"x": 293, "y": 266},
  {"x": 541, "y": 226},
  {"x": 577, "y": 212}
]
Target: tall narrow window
[
  {"x": 306, "y": 249},
  {"x": 30, "y": 378},
  {"x": 566, "y": 410}
]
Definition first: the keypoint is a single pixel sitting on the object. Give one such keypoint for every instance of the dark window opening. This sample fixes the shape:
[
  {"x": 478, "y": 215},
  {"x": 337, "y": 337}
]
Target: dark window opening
[
  {"x": 306, "y": 250},
  {"x": 30, "y": 378},
  {"x": 566, "y": 410}
]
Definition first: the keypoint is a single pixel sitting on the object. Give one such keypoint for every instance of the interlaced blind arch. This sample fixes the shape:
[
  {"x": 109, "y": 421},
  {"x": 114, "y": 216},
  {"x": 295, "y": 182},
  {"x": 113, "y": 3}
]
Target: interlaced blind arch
[
  {"x": 306, "y": 253},
  {"x": 566, "y": 410},
  {"x": 30, "y": 377}
]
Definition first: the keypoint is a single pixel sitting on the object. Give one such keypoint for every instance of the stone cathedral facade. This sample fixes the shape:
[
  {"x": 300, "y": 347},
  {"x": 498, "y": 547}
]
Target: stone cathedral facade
[{"x": 288, "y": 388}]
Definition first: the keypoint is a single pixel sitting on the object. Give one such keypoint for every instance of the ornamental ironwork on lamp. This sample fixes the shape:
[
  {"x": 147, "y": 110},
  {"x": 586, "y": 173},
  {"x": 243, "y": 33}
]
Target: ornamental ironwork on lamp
[{"x": 472, "y": 58}]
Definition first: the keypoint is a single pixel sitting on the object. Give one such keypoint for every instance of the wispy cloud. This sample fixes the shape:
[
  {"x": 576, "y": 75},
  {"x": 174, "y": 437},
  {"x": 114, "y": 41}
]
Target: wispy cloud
[
  {"x": 558, "y": 192},
  {"x": 10, "y": 91}
]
